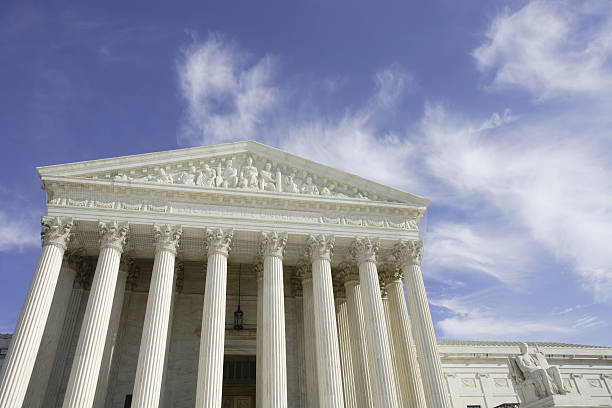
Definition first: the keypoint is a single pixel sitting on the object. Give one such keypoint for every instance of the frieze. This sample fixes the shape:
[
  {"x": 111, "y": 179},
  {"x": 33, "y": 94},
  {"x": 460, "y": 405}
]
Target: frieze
[
  {"x": 67, "y": 194},
  {"x": 241, "y": 171}
]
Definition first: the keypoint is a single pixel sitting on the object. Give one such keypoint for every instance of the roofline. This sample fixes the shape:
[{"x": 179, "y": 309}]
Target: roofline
[{"x": 247, "y": 145}]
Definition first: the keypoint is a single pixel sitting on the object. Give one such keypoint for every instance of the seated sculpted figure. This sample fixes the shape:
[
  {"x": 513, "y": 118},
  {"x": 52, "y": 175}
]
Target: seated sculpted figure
[
  {"x": 532, "y": 370},
  {"x": 309, "y": 188},
  {"x": 249, "y": 175},
  {"x": 266, "y": 179},
  {"x": 206, "y": 177}
]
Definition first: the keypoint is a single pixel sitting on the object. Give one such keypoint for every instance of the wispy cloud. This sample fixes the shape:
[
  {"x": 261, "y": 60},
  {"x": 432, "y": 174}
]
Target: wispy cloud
[
  {"x": 17, "y": 232},
  {"x": 467, "y": 318},
  {"x": 549, "y": 47},
  {"x": 226, "y": 94},
  {"x": 515, "y": 186}
]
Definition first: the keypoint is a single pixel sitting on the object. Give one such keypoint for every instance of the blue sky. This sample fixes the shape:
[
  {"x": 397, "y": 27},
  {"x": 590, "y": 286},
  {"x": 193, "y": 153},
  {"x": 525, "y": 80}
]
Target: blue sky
[{"x": 497, "y": 111}]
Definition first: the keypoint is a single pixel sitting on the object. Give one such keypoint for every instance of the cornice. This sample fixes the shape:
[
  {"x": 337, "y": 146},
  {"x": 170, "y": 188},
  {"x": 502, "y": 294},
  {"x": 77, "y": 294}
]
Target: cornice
[{"x": 196, "y": 155}]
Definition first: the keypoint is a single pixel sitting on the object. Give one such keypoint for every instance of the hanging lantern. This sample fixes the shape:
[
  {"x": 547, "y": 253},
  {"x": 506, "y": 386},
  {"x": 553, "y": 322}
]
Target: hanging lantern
[{"x": 238, "y": 314}]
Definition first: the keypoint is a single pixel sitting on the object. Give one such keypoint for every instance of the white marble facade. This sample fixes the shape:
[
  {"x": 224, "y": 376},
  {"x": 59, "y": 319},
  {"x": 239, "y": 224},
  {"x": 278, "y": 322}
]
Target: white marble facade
[{"x": 133, "y": 298}]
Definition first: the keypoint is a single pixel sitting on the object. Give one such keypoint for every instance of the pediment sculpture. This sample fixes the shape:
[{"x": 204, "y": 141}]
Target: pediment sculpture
[
  {"x": 533, "y": 378},
  {"x": 240, "y": 172}
]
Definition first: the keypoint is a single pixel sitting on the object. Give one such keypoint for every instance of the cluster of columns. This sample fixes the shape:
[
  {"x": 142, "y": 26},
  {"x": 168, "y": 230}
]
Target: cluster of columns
[{"x": 362, "y": 353}]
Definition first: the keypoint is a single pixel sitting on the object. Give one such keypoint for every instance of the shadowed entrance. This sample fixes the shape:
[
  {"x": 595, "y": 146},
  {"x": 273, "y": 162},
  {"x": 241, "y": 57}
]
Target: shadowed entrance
[{"x": 239, "y": 382}]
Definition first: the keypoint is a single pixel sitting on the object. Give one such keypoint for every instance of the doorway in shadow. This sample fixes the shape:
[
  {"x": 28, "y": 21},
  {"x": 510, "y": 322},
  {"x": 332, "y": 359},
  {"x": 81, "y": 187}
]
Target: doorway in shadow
[{"x": 239, "y": 388}]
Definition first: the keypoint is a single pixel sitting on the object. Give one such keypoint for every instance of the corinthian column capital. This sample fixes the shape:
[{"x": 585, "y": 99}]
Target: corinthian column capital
[
  {"x": 272, "y": 244},
  {"x": 390, "y": 272},
  {"x": 167, "y": 237},
  {"x": 74, "y": 258},
  {"x": 363, "y": 250},
  {"x": 408, "y": 252},
  {"x": 56, "y": 231},
  {"x": 219, "y": 241},
  {"x": 348, "y": 272},
  {"x": 258, "y": 269},
  {"x": 113, "y": 234},
  {"x": 303, "y": 270},
  {"x": 320, "y": 247}
]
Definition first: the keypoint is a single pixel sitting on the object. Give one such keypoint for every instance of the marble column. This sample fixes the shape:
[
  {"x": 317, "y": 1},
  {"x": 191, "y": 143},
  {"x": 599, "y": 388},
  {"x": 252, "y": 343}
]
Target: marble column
[
  {"x": 385, "y": 302},
  {"x": 50, "y": 342},
  {"x": 364, "y": 252},
  {"x": 83, "y": 379},
  {"x": 304, "y": 272},
  {"x": 148, "y": 382},
  {"x": 409, "y": 254},
  {"x": 361, "y": 372},
  {"x": 212, "y": 335},
  {"x": 259, "y": 377},
  {"x": 319, "y": 250},
  {"x": 298, "y": 302},
  {"x": 52, "y": 392},
  {"x": 25, "y": 343},
  {"x": 272, "y": 246},
  {"x": 344, "y": 339},
  {"x": 405, "y": 353},
  {"x": 113, "y": 328}
]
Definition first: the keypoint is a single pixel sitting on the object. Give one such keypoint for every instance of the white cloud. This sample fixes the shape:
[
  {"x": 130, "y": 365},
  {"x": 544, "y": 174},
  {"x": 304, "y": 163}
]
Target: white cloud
[
  {"x": 226, "y": 96},
  {"x": 17, "y": 233},
  {"x": 454, "y": 248},
  {"x": 545, "y": 187},
  {"x": 522, "y": 184},
  {"x": 549, "y": 47},
  {"x": 469, "y": 320},
  {"x": 392, "y": 83}
]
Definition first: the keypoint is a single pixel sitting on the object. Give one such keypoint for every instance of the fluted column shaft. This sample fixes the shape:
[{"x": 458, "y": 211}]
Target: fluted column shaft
[
  {"x": 152, "y": 352},
  {"x": 396, "y": 377},
  {"x": 344, "y": 338},
  {"x": 329, "y": 371},
  {"x": 274, "y": 347},
  {"x": 409, "y": 255},
  {"x": 259, "y": 377},
  {"x": 359, "y": 347},
  {"x": 43, "y": 367},
  {"x": 212, "y": 336},
  {"x": 381, "y": 369},
  {"x": 81, "y": 388},
  {"x": 310, "y": 344},
  {"x": 21, "y": 356},
  {"x": 405, "y": 353},
  {"x": 63, "y": 348}
]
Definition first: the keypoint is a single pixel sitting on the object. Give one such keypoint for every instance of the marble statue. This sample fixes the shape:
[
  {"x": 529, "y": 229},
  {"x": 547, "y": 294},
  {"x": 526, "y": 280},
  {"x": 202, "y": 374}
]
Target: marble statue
[
  {"x": 206, "y": 177},
  {"x": 249, "y": 175},
  {"x": 188, "y": 177},
  {"x": 290, "y": 185},
  {"x": 230, "y": 176},
  {"x": 309, "y": 187},
  {"x": 533, "y": 377},
  {"x": 243, "y": 171},
  {"x": 266, "y": 179}
]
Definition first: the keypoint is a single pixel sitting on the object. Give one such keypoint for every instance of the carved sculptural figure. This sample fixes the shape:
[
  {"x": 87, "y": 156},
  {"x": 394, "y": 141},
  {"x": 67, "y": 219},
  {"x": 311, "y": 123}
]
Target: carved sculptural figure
[
  {"x": 329, "y": 190},
  {"x": 266, "y": 180},
  {"x": 290, "y": 186},
  {"x": 249, "y": 175},
  {"x": 188, "y": 177},
  {"x": 161, "y": 176},
  {"x": 532, "y": 370},
  {"x": 309, "y": 188},
  {"x": 206, "y": 177},
  {"x": 230, "y": 175}
]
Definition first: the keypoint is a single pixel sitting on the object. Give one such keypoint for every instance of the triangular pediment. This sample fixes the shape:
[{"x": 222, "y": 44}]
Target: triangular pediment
[{"x": 242, "y": 166}]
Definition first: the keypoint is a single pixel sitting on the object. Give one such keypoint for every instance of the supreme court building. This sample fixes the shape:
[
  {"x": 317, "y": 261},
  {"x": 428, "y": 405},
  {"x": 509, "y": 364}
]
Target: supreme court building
[{"x": 233, "y": 275}]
